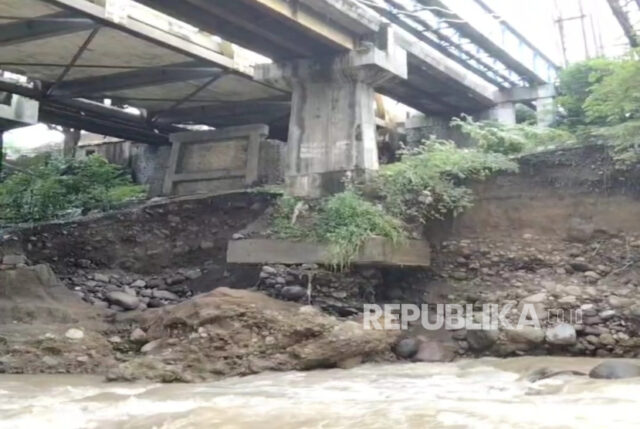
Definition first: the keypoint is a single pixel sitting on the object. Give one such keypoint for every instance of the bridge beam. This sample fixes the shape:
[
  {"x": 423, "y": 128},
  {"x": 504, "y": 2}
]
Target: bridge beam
[
  {"x": 542, "y": 95},
  {"x": 332, "y": 124},
  {"x": 29, "y": 30},
  {"x": 151, "y": 76}
]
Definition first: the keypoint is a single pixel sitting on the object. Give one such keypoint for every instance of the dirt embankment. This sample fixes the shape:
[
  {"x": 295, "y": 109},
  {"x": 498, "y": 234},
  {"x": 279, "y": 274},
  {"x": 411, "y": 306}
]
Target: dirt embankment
[
  {"x": 45, "y": 328},
  {"x": 562, "y": 235}
]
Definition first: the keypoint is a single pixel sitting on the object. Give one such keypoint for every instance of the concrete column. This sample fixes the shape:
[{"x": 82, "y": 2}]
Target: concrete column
[
  {"x": 504, "y": 110},
  {"x": 332, "y": 136},
  {"x": 504, "y": 113}
]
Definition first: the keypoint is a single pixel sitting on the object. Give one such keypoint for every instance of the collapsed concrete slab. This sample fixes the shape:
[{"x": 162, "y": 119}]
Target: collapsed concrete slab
[{"x": 375, "y": 251}]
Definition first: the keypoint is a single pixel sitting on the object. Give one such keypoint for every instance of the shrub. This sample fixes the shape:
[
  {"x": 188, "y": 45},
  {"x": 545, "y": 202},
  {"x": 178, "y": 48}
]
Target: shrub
[
  {"x": 346, "y": 220},
  {"x": 510, "y": 139},
  {"x": 429, "y": 183},
  {"x": 57, "y": 187},
  {"x": 616, "y": 97},
  {"x": 576, "y": 84},
  {"x": 623, "y": 141}
]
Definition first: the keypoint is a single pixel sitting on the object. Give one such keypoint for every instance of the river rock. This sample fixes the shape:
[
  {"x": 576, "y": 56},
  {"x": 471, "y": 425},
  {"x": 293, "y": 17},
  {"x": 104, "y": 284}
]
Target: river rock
[
  {"x": 607, "y": 314},
  {"x": 433, "y": 351},
  {"x": 525, "y": 335},
  {"x": 74, "y": 334},
  {"x": 165, "y": 294},
  {"x": 139, "y": 284},
  {"x": 123, "y": 300},
  {"x": 407, "y": 348},
  {"x": 138, "y": 336},
  {"x": 611, "y": 369},
  {"x": 99, "y": 277},
  {"x": 14, "y": 260},
  {"x": 561, "y": 334},
  {"x": 481, "y": 339},
  {"x": 293, "y": 293}
]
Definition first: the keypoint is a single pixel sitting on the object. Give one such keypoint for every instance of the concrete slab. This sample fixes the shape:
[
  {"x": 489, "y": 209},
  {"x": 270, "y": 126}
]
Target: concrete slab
[{"x": 376, "y": 251}]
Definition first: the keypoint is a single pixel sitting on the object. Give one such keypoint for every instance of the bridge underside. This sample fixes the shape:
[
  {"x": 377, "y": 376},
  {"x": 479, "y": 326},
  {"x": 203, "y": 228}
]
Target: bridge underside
[
  {"x": 280, "y": 31},
  {"x": 77, "y": 58}
]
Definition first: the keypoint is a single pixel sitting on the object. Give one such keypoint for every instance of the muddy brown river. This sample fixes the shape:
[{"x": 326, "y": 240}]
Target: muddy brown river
[{"x": 486, "y": 393}]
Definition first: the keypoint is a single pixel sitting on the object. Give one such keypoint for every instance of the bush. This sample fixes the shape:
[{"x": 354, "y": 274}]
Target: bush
[
  {"x": 346, "y": 221},
  {"x": 510, "y": 139},
  {"x": 576, "y": 84},
  {"x": 616, "y": 97},
  {"x": 57, "y": 188},
  {"x": 429, "y": 183},
  {"x": 623, "y": 141}
]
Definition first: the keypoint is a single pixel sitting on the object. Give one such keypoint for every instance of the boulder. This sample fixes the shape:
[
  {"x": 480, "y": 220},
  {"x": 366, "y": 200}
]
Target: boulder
[
  {"x": 407, "y": 348},
  {"x": 561, "y": 334},
  {"x": 481, "y": 339},
  {"x": 433, "y": 351},
  {"x": 525, "y": 335},
  {"x": 293, "y": 293},
  {"x": 611, "y": 369},
  {"x": 123, "y": 300}
]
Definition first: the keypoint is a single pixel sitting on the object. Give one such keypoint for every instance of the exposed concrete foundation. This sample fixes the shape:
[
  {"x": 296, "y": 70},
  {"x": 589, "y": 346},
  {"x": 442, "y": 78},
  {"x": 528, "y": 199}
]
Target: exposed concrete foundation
[
  {"x": 376, "y": 251},
  {"x": 332, "y": 125}
]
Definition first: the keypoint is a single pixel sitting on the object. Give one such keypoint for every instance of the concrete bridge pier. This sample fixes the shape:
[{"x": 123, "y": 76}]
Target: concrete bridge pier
[
  {"x": 504, "y": 113},
  {"x": 542, "y": 95},
  {"x": 332, "y": 125}
]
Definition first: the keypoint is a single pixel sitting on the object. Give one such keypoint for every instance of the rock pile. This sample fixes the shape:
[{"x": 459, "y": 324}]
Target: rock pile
[
  {"x": 586, "y": 294},
  {"x": 341, "y": 294},
  {"x": 237, "y": 332},
  {"x": 120, "y": 291}
]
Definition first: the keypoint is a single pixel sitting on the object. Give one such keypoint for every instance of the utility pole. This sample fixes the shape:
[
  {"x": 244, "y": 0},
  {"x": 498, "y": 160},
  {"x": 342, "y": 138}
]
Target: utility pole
[
  {"x": 559, "y": 21},
  {"x": 584, "y": 31}
]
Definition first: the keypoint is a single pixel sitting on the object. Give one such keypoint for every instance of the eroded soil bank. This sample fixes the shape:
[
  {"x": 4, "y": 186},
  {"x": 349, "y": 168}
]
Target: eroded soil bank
[{"x": 131, "y": 294}]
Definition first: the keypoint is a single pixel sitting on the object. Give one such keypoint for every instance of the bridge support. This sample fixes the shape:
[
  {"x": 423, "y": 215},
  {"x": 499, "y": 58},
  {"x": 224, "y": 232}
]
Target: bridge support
[
  {"x": 504, "y": 113},
  {"x": 332, "y": 125},
  {"x": 542, "y": 95}
]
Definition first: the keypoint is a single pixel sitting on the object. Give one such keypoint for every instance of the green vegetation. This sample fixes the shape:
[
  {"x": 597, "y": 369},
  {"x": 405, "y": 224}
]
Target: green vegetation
[
  {"x": 57, "y": 188},
  {"x": 511, "y": 139},
  {"x": 426, "y": 184},
  {"x": 346, "y": 220},
  {"x": 576, "y": 84},
  {"x": 601, "y": 100},
  {"x": 429, "y": 183}
]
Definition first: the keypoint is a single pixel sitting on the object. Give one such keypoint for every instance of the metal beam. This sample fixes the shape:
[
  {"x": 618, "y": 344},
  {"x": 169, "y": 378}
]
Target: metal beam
[
  {"x": 29, "y": 30},
  {"x": 138, "y": 78}
]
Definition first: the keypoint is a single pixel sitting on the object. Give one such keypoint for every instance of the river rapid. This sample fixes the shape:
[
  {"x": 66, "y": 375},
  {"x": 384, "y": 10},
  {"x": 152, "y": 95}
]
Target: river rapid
[{"x": 484, "y": 393}]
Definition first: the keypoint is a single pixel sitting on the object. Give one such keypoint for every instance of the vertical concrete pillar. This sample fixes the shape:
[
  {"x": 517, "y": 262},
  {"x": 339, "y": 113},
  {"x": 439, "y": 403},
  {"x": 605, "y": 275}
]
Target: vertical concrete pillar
[
  {"x": 504, "y": 112},
  {"x": 332, "y": 125},
  {"x": 546, "y": 106}
]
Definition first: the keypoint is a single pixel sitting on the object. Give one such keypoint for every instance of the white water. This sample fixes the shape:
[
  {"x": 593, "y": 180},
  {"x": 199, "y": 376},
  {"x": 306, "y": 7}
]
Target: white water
[{"x": 485, "y": 393}]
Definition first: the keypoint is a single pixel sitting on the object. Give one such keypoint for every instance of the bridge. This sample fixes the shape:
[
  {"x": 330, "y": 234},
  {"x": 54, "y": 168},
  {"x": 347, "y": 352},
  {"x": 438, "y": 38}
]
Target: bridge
[{"x": 329, "y": 56}]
